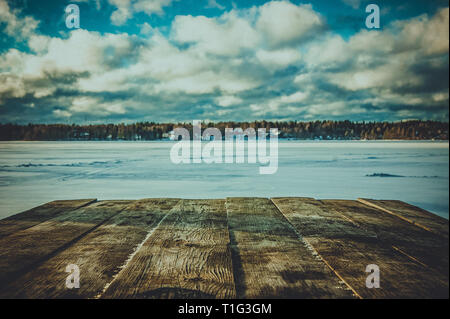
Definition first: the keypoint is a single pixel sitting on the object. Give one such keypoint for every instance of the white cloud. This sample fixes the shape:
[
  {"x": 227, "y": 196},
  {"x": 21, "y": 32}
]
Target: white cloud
[
  {"x": 275, "y": 24},
  {"x": 121, "y": 15},
  {"x": 212, "y": 4},
  {"x": 21, "y": 28},
  {"x": 125, "y": 9},
  {"x": 279, "y": 58},
  {"x": 228, "y": 100},
  {"x": 294, "y": 98},
  {"x": 328, "y": 52},
  {"x": 337, "y": 108},
  {"x": 12, "y": 61},
  {"x": 439, "y": 97},
  {"x": 65, "y": 59},
  {"x": 151, "y": 7},
  {"x": 98, "y": 4},
  {"x": 234, "y": 66},
  {"x": 280, "y": 105},
  {"x": 381, "y": 59},
  {"x": 39, "y": 43},
  {"x": 146, "y": 29},
  {"x": 227, "y": 35},
  {"x": 163, "y": 61},
  {"x": 95, "y": 106},
  {"x": 370, "y": 78},
  {"x": 82, "y": 51},
  {"x": 61, "y": 113},
  {"x": 353, "y": 3},
  {"x": 284, "y": 23},
  {"x": 429, "y": 35},
  {"x": 207, "y": 82},
  {"x": 11, "y": 86}
]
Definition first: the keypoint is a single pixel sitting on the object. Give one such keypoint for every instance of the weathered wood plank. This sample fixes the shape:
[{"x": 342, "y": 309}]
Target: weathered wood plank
[
  {"x": 271, "y": 260},
  {"x": 412, "y": 214},
  {"x": 99, "y": 255},
  {"x": 349, "y": 249},
  {"x": 187, "y": 256},
  {"x": 427, "y": 248},
  {"x": 26, "y": 249},
  {"x": 39, "y": 214}
]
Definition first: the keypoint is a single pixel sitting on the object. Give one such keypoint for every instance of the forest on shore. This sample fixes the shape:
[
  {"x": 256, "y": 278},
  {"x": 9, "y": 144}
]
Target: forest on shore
[{"x": 326, "y": 130}]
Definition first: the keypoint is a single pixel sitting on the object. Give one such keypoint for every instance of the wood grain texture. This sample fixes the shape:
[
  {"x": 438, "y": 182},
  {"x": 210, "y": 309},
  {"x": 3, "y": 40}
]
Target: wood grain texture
[
  {"x": 412, "y": 214},
  {"x": 187, "y": 256},
  {"x": 239, "y": 247},
  {"x": 39, "y": 214},
  {"x": 270, "y": 260},
  {"x": 427, "y": 248},
  {"x": 348, "y": 249},
  {"x": 99, "y": 255},
  {"x": 26, "y": 249}
]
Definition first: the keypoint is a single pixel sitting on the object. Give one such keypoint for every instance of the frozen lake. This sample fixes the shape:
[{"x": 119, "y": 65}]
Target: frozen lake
[{"x": 32, "y": 173}]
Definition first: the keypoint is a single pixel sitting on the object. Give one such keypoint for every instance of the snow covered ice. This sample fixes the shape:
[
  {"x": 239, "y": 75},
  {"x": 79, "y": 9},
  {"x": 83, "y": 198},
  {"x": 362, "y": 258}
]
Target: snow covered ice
[{"x": 32, "y": 173}]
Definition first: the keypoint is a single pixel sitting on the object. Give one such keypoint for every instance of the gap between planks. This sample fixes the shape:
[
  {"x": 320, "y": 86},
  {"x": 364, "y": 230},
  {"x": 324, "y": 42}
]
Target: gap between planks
[
  {"x": 274, "y": 261},
  {"x": 409, "y": 220},
  {"x": 99, "y": 254},
  {"x": 130, "y": 257},
  {"x": 40, "y": 214},
  {"x": 315, "y": 252},
  {"x": 233, "y": 270},
  {"x": 350, "y": 250},
  {"x": 16, "y": 261},
  {"x": 186, "y": 256}
]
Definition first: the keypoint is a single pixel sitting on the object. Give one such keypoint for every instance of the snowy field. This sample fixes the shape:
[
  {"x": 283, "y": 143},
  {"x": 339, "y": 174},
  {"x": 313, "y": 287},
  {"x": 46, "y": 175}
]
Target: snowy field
[{"x": 32, "y": 173}]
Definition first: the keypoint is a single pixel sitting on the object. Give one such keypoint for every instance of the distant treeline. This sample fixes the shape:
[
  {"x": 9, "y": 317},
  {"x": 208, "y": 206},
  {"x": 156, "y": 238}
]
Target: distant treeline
[{"x": 327, "y": 130}]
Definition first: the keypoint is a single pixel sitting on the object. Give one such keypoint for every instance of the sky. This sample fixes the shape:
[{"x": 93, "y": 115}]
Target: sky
[{"x": 216, "y": 60}]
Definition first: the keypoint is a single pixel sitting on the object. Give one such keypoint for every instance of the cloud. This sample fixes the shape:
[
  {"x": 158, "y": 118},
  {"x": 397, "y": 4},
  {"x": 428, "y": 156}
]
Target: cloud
[
  {"x": 63, "y": 63},
  {"x": 274, "y": 25},
  {"x": 355, "y": 4},
  {"x": 226, "y": 35},
  {"x": 428, "y": 35},
  {"x": 125, "y": 9},
  {"x": 407, "y": 49},
  {"x": 61, "y": 113},
  {"x": 95, "y": 106},
  {"x": 212, "y": 4},
  {"x": 274, "y": 61},
  {"x": 146, "y": 29},
  {"x": 228, "y": 100},
  {"x": 98, "y": 3},
  {"x": 278, "y": 59},
  {"x": 17, "y": 26},
  {"x": 207, "y": 82},
  {"x": 284, "y": 23}
]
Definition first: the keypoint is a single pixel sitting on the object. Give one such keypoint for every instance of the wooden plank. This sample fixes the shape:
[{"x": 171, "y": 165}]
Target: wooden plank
[
  {"x": 349, "y": 249},
  {"x": 187, "y": 256},
  {"x": 270, "y": 259},
  {"x": 39, "y": 214},
  {"x": 26, "y": 249},
  {"x": 99, "y": 255},
  {"x": 412, "y": 214},
  {"x": 423, "y": 246}
]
